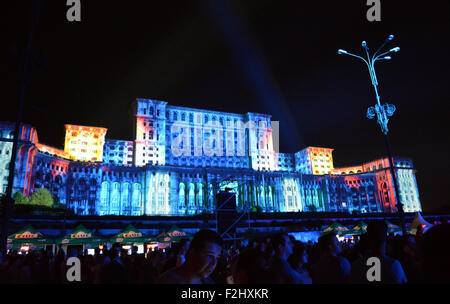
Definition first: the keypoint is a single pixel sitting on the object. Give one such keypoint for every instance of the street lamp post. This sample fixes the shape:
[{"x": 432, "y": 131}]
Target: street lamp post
[{"x": 382, "y": 112}]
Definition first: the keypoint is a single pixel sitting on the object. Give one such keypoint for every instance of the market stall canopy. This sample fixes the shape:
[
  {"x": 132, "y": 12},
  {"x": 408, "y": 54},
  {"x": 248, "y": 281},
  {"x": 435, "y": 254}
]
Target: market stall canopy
[
  {"x": 360, "y": 228},
  {"x": 420, "y": 221},
  {"x": 28, "y": 236},
  {"x": 392, "y": 228},
  {"x": 131, "y": 235},
  {"x": 174, "y": 234},
  {"x": 335, "y": 228},
  {"x": 81, "y": 236}
]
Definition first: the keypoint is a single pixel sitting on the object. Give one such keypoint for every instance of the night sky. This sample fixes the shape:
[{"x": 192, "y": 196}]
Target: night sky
[{"x": 275, "y": 57}]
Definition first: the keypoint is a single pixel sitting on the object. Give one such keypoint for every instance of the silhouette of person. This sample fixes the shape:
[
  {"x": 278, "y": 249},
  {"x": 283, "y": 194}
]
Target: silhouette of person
[{"x": 201, "y": 261}]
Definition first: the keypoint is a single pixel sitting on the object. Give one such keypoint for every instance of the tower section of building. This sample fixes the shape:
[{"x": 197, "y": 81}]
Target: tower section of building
[
  {"x": 314, "y": 160},
  {"x": 149, "y": 132},
  {"x": 84, "y": 143}
]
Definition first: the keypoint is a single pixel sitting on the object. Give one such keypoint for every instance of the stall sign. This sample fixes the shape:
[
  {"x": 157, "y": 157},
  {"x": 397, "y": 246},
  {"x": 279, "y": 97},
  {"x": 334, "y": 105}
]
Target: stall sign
[
  {"x": 26, "y": 235},
  {"x": 177, "y": 233},
  {"x": 132, "y": 234},
  {"x": 80, "y": 235}
]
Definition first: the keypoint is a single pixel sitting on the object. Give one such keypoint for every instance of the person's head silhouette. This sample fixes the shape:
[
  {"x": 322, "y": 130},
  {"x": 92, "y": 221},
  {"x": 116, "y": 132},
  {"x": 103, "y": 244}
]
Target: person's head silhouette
[
  {"x": 329, "y": 245},
  {"x": 377, "y": 237},
  {"x": 282, "y": 245},
  {"x": 434, "y": 254},
  {"x": 203, "y": 253}
]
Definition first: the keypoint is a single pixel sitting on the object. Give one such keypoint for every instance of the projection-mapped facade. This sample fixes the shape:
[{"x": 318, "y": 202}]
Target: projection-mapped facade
[{"x": 181, "y": 157}]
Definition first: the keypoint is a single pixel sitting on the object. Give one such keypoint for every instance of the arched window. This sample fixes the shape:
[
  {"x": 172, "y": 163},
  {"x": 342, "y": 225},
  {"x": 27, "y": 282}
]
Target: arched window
[
  {"x": 104, "y": 199},
  {"x": 115, "y": 199},
  {"x": 270, "y": 201},
  {"x": 262, "y": 199},
  {"x": 191, "y": 195},
  {"x": 136, "y": 199},
  {"x": 125, "y": 199},
  {"x": 200, "y": 195},
  {"x": 182, "y": 195}
]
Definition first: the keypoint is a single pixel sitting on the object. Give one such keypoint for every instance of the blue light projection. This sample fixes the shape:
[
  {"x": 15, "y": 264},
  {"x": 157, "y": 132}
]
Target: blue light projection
[{"x": 143, "y": 177}]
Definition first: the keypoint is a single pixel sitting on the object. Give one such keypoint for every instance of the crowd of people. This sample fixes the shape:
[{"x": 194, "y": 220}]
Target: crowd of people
[{"x": 276, "y": 259}]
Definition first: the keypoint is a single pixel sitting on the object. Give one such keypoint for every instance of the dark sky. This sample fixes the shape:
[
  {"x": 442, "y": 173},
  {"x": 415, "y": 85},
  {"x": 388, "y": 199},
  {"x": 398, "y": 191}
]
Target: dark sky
[{"x": 275, "y": 57}]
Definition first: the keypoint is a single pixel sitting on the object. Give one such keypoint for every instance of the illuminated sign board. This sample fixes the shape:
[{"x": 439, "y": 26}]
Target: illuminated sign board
[
  {"x": 176, "y": 233},
  {"x": 27, "y": 235},
  {"x": 132, "y": 234},
  {"x": 80, "y": 235}
]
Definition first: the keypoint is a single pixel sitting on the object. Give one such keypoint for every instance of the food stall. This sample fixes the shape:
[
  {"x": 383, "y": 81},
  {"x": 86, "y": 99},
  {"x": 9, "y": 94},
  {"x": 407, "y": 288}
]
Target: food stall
[
  {"x": 336, "y": 228},
  {"x": 28, "y": 239},
  {"x": 395, "y": 229},
  {"x": 419, "y": 221},
  {"x": 82, "y": 238},
  {"x": 131, "y": 236},
  {"x": 359, "y": 229},
  {"x": 174, "y": 234}
]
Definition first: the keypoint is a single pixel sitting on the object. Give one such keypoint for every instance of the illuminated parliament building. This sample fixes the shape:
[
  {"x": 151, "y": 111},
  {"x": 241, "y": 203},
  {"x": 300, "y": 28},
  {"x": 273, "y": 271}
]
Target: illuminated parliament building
[{"x": 181, "y": 157}]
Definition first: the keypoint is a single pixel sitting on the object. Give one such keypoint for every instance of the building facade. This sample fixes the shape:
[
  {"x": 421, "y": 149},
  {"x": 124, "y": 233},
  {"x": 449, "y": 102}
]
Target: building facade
[{"x": 181, "y": 157}]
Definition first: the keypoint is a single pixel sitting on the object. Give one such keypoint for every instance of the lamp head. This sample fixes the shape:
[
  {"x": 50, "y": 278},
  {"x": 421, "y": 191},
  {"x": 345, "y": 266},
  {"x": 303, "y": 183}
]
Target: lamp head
[
  {"x": 395, "y": 50},
  {"x": 341, "y": 51},
  {"x": 391, "y": 37},
  {"x": 364, "y": 44},
  {"x": 387, "y": 57}
]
